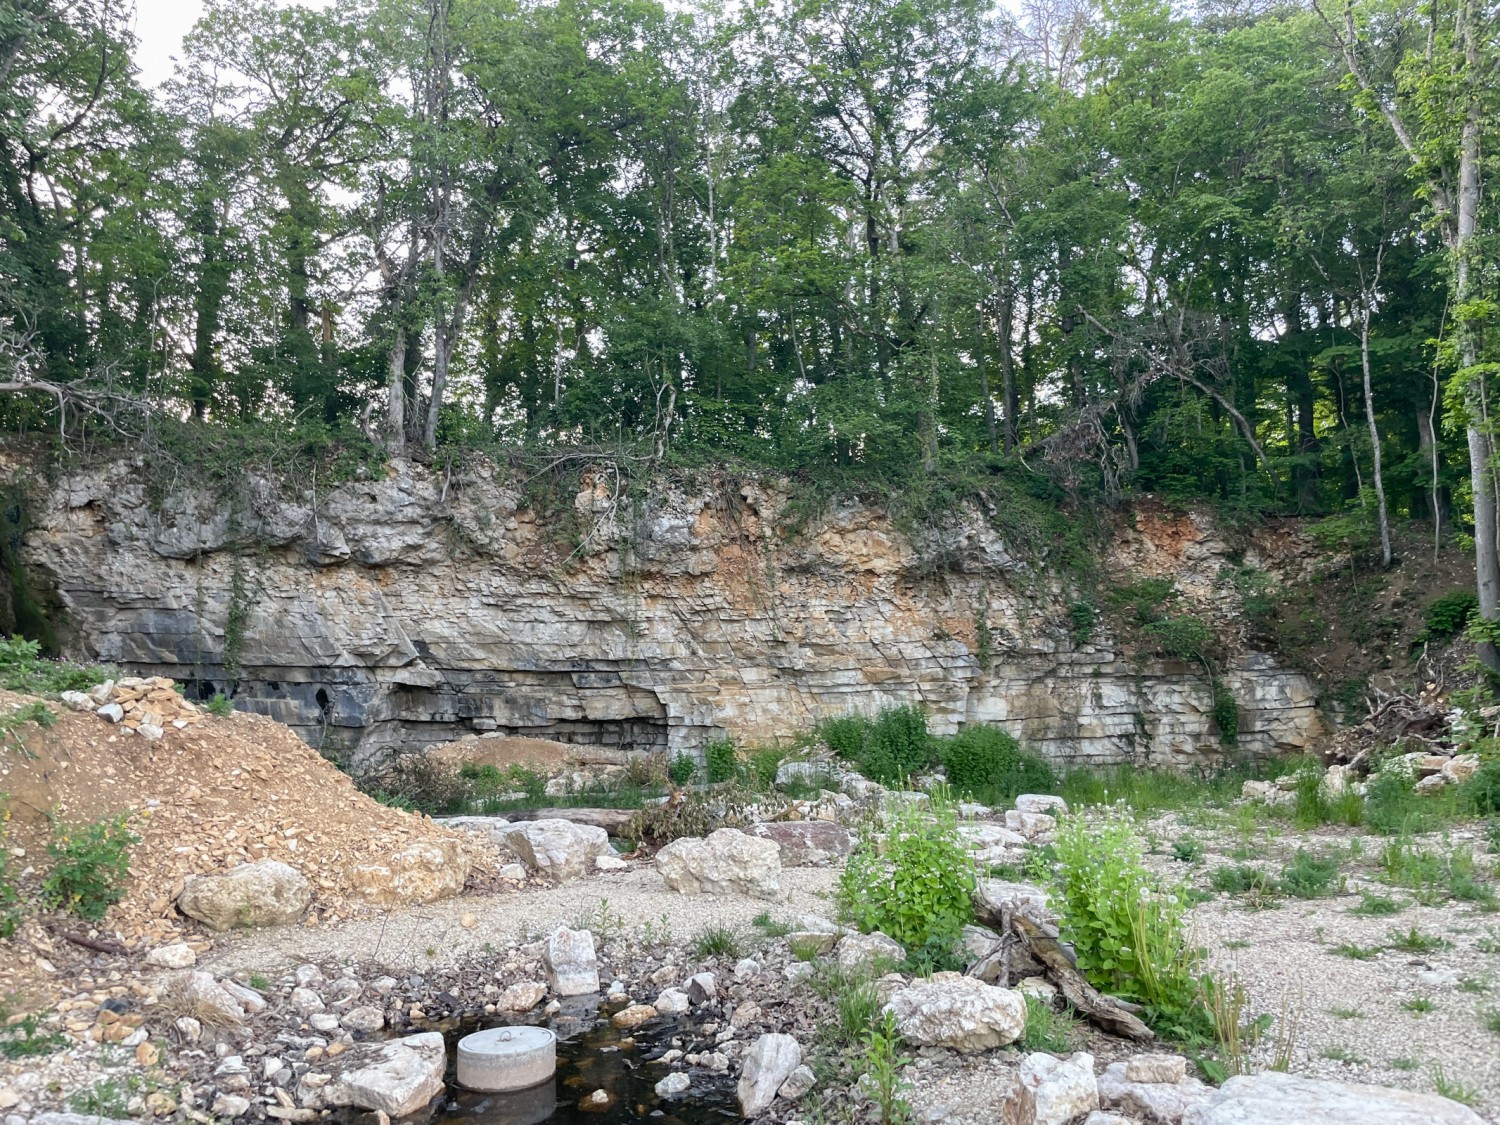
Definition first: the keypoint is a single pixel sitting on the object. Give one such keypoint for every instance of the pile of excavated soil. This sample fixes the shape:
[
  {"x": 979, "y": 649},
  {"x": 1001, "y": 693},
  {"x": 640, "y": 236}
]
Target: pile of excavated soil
[{"x": 203, "y": 800}]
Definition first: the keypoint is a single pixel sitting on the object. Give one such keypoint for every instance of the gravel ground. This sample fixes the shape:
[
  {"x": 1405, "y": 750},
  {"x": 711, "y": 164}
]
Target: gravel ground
[{"x": 633, "y": 900}]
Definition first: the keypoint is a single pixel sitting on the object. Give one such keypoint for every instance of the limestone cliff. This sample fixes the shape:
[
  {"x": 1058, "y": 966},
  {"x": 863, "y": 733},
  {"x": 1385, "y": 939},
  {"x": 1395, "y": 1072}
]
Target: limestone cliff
[{"x": 418, "y": 607}]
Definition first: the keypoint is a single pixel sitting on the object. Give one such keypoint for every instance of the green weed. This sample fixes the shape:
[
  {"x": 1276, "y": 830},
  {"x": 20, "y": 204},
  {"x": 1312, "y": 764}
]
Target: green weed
[
  {"x": 92, "y": 864},
  {"x": 717, "y": 941},
  {"x": 26, "y": 1040},
  {"x": 1415, "y": 941},
  {"x": 1046, "y": 1028},
  {"x": 1419, "y": 1005}
]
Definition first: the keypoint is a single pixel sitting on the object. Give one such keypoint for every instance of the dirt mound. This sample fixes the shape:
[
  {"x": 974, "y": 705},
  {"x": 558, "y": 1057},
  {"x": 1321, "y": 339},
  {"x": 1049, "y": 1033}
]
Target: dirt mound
[
  {"x": 543, "y": 754},
  {"x": 205, "y": 798}
]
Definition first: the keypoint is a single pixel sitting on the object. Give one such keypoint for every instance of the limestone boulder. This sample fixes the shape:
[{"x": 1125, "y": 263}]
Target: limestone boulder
[
  {"x": 395, "y": 1078},
  {"x": 265, "y": 893},
  {"x": 558, "y": 849},
  {"x": 521, "y": 996},
  {"x": 1026, "y": 899},
  {"x": 198, "y": 996},
  {"x": 424, "y": 871},
  {"x": 770, "y": 1061},
  {"x": 571, "y": 963},
  {"x": 1281, "y": 1099},
  {"x": 1052, "y": 1091},
  {"x": 1037, "y": 828},
  {"x": 1047, "y": 803},
  {"x": 1152, "y": 1086},
  {"x": 806, "y": 843},
  {"x": 958, "y": 1012},
  {"x": 725, "y": 863},
  {"x": 861, "y": 953}
]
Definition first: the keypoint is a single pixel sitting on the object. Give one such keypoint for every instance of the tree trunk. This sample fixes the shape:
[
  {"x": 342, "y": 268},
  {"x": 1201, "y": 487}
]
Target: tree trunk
[
  {"x": 396, "y": 396},
  {"x": 1364, "y": 360},
  {"x": 984, "y": 378}
]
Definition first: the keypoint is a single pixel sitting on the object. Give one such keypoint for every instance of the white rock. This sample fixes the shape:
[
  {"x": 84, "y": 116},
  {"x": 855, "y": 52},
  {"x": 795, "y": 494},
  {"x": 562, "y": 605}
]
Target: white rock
[
  {"x": 1051, "y": 1091},
  {"x": 521, "y": 997},
  {"x": 671, "y": 1002},
  {"x": 306, "y": 1001},
  {"x": 673, "y": 1084},
  {"x": 978, "y": 942},
  {"x": 558, "y": 849},
  {"x": 175, "y": 956},
  {"x": 798, "y": 1083},
  {"x": 1156, "y": 1068},
  {"x": 1102, "y": 1117},
  {"x": 571, "y": 963},
  {"x": 189, "y": 1028},
  {"x": 727, "y": 862},
  {"x": 1285, "y": 1099},
  {"x": 307, "y": 976},
  {"x": 151, "y": 732},
  {"x": 1041, "y": 803},
  {"x": 100, "y": 693},
  {"x": 366, "y": 1018},
  {"x": 769, "y": 1063},
  {"x": 195, "y": 991},
  {"x": 1039, "y": 988},
  {"x": 610, "y": 863},
  {"x": 77, "y": 700},
  {"x": 864, "y": 952},
  {"x": 1155, "y": 1101},
  {"x": 745, "y": 969},
  {"x": 394, "y": 1078},
  {"x": 112, "y": 712},
  {"x": 1036, "y": 827},
  {"x": 1014, "y": 898},
  {"x": 265, "y": 893},
  {"x": 958, "y": 1012},
  {"x": 253, "y": 1002},
  {"x": 806, "y": 843},
  {"x": 515, "y": 872},
  {"x": 323, "y": 1021},
  {"x": 230, "y": 1105},
  {"x": 424, "y": 871},
  {"x": 969, "y": 810},
  {"x": 702, "y": 988}
]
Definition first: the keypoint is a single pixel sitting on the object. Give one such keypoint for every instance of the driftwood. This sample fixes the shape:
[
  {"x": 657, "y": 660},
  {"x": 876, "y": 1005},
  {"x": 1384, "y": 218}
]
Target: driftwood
[
  {"x": 1105, "y": 1011},
  {"x": 612, "y": 821},
  {"x": 97, "y": 945}
]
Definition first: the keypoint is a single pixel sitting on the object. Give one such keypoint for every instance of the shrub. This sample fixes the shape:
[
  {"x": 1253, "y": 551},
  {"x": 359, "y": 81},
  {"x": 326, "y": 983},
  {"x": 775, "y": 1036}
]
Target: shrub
[
  {"x": 1181, "y": 637},
  {"x": 721, "y": 759},
  {"x": 886, "y": 749},
  {"x": 919, "y": 891},
  {"x": 1449, "y": 615},
  {"x": 717, "y": 941},
  {"x": 22, "y": 668},
  {"x": 1046, "y": 1028},
  {"x": 92, "y": 865},
  {"x": 845, "y": 735},
  {"x": 1142, "y": 601},
  {"x": 1240, "y": 879},
  {"x": 682, "y": 769},
  {"x": 1081, "y": 618},
  {"x": 220, "y": 705},
  {"x": 1309, "y": 876},
  {"x": 1482, "y": 791},
  {"x": 987, "y": 760},
  {"x": 1129, "y": 931},
  {"x": 10, "y": 898},
  {"x": 1391, "y": 802}
]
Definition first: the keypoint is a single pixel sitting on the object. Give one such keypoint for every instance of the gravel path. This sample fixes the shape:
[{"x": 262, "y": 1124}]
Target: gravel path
[{"x": 632, "y": 901}]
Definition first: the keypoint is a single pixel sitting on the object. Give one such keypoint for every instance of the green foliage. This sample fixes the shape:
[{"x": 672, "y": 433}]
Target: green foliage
[
  {"x": 722, "y": 760},
  {"x": 1391, "y": 802},
  {"x": 1239, "y": 879},
  {"x": 844, "y": 735},
  {"x": 990, "y": 764},
  {"x": 919, "y": 889},
  {"x": 1187, "y": 850},
  {"x": 1309, "y": 875},
  {"x": 886, "y": 749},
  {"x": 1481, "y": 792},
  {"x": 24, "y": 669},
  {"x": 1377, "y": 906},
  {"x": 882, "y": 1071},
  {"x": 1082, "y": 616},
  {"x": 10, "y": 896},
  {"x": 718, "y": 941},
  {"x": 1449, "y": 615},
  {"x": 1046, "y": 1029},
  {"x": 27, "y": 1040},
  {"x": 1413, "y": 940},
  {"x": 1129, "y": 931},
  {"x": 1225, "y": 711},
  {"x": 220, "y": 705},
  {"x": 761, "y": 767},
  {"x": 682, "y": 769},
  {"x": 1142, "y": 601},
  {"x": 91, "y": 865},
  {"x": 11, "y": 722},
  {"x": 1181, "y": 637}
]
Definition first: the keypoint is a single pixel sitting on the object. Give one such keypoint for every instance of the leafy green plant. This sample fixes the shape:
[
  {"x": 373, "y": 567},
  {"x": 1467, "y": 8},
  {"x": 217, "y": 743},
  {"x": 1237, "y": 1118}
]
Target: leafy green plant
[
  {"x": 1129, "y": 931},
  {"x": 1081, "y": 619},
  {"x": 1187, "y": 850},
  {"x": 220, "y": 705},
  {"x": 918, "y": 889},
  {"x": 12, "y": 721},
  {"x": 1141, "y": 601},
  {"x": 989, "y": 763},
  {"x": 1419, "y": 1005},
  {"x": 10, "y": 896},
  {"x": 682, "y": 769},
  {"x": 24, "y": 669},
  {"x": 1377, "y": 906},
  {"x": 717, "y": 941},
  {"x": 1453, "y": 1089},
  {"x": 1357, "y": 952},
  {"x": 26, "y": 1040},
  {"x": 1046, "y": 1028},
  {"x": 1449, "y": 615},
  {"x": 1181, "y": 637},
  {"x": 1415, "y": 941},
  {"x": 844, "y": 735},
  {"x": 882, "y": 1071},
  {"x": 1481, "y": 792},
  {"x": 92, "y": 864},
  {"x": 1309, "y": 875},
  {"x": 721, "y": 759},
  {"x": 1240, "y": 878}
]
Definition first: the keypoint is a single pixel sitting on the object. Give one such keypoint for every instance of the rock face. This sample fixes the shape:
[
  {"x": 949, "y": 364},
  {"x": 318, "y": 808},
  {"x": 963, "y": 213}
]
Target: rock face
[
  {"x": 1284, "y": 1099},
  {"x": 728, "y": 862},
  {"x": 265, "y": 893},
  {"x": 958, "y": 1012},
  {"x": 1053, "y": 1091},
  {"x": 559, "y": 849},
  {"x": 806, "y": 843},
  {"x": 395, "y": 1078},
  {"x": 421, "y": 872},
  {"x": 771, "y": 1060},
  {"x": 417, "y": 606}
]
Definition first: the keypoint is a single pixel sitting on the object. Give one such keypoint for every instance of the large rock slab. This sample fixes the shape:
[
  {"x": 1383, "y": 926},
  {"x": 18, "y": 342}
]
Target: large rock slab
[
  {"x": 728, "y": 862},
  {"x": 395, "y": 1078},
  {"x": 769, "y": 1063},
  {"x": 863, "y": 953},
  {"x": 558, "y": 849},
  {"x": 1155, "y": 1087},
  {"x": 1292, "y": 1099},
  {"x": 421, "y": 872},
  {"x": 958, "y": 1012},
  {"x": 1052, "y": 1091},
  {"x": 265, "y": 893},
  {"x": 806, "y": 843}
]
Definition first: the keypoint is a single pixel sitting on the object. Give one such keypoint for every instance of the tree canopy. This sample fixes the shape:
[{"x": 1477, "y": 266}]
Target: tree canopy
[{"x": 1213, "y": 250}]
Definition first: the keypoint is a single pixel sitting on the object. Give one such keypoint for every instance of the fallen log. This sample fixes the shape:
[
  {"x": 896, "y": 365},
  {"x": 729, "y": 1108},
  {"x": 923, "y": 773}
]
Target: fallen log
[
  {"x": 1104, "y": 1011},
  {"x": 612, "y": 821}
]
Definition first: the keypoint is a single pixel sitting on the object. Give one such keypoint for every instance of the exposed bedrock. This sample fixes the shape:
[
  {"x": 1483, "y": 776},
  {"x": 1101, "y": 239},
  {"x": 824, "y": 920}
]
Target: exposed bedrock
[{"x": 420, "y": 607}]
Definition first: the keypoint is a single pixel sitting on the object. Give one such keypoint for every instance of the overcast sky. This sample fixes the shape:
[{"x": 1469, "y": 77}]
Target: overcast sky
[{"x": 159, "y": 28}]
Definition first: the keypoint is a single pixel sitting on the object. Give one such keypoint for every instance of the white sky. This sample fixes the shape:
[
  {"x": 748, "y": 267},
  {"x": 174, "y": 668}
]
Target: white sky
[{"x": 159, "y": 28}]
